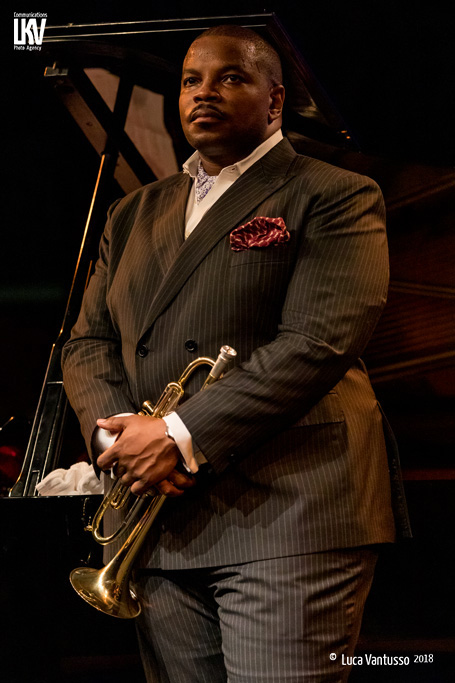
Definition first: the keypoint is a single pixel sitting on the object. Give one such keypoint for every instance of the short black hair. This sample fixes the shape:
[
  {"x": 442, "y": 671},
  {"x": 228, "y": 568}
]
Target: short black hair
[{"x": 266, "y": 54}]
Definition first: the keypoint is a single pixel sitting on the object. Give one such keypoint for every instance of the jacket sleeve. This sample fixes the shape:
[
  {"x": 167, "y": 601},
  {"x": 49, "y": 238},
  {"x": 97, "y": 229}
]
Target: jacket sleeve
[
  {"x": 334, "y": 299},
  {"x": 93, "y": 373}
]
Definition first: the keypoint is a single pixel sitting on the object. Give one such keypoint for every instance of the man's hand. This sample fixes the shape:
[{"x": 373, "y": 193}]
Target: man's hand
[{"x": 143, "y": 456}]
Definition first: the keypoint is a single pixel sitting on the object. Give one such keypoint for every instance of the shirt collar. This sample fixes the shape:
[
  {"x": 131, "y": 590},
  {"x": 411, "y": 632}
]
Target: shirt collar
[{"x": 190, "y": 166}]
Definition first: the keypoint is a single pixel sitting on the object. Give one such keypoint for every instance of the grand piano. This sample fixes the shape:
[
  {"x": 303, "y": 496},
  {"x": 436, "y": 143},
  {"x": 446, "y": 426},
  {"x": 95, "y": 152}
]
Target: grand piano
[{"x": 117, "y": 85}]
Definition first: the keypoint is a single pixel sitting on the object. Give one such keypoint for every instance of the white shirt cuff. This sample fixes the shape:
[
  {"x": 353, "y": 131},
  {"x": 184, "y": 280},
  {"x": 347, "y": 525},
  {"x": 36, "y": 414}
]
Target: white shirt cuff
[{"x": 184, "y": 442}]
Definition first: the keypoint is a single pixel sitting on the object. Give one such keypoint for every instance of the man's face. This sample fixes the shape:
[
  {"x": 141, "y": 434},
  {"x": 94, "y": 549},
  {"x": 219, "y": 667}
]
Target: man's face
[{"x": 227, "y": 102}]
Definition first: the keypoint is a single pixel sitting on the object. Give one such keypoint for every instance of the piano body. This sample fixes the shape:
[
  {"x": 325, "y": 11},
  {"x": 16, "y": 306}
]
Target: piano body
[{"x": 119, "y": 82}]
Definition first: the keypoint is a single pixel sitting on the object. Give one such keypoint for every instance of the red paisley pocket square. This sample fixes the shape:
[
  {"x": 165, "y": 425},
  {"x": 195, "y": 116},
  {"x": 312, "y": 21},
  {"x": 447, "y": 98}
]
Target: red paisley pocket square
[{"x": 259, "y": 232}]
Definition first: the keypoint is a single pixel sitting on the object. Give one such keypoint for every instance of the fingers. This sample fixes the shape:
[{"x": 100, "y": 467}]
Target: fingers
[
  {"x": 181, "y": 480},
  {"x": 165, "y": 488},
  {"x": 112, "y": 424},
  {"x": 174, "y": 485},
  {"x": 108, "y": 460}
]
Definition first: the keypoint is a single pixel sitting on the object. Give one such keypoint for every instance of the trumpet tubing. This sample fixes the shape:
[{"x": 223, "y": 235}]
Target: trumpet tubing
[{"x": 108, "y": 589}]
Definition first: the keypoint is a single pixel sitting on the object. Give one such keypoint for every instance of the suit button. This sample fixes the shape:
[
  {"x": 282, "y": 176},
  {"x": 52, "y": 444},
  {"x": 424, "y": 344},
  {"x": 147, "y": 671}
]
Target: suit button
[
  {"x": 191, "y": 345},
  {"x": 142, "y": 351}
]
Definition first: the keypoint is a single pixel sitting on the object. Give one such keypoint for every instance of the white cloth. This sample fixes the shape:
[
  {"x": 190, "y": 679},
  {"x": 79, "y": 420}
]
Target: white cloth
[{"x": 80, "y": 479}]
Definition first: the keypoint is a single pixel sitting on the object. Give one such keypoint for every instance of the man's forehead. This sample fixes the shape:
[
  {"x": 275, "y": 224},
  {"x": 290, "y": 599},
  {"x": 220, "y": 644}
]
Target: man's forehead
[{"x": 234, "y": 50}]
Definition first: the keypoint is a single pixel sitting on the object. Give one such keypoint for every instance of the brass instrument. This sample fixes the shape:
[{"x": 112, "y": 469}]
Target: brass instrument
[{"x": 108, "y": 589}]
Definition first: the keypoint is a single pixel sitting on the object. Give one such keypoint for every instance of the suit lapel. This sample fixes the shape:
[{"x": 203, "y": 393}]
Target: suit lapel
[
  {"x": 169, "y": 223},
  {"x": 255, "y": 185}
]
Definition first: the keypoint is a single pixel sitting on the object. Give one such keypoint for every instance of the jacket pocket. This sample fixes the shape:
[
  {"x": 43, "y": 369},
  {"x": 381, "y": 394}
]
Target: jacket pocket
[
  {"x": 327, "y": 410},
  {"x": 261, "y": 255}
]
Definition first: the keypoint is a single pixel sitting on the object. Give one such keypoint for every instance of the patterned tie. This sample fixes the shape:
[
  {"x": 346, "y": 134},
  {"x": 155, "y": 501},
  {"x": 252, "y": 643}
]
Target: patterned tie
[{"x": 204, "y": 183}]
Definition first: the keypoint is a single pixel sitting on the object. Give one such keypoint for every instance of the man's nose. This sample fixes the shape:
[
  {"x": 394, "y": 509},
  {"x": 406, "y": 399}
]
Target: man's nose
[{"x": 207, "y": 92}]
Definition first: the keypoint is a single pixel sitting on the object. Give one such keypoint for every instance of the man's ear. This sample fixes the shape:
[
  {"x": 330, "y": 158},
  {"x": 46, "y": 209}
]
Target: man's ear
[{"x": 276, "y": 102}]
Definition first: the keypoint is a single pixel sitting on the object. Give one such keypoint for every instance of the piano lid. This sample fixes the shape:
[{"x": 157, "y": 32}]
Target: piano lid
[{"x": 150, "y": 54}]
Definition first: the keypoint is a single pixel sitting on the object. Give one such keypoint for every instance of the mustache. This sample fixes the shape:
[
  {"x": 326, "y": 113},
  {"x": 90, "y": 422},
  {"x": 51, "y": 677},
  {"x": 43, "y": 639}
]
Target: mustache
[{"x": 205, "y": 109}]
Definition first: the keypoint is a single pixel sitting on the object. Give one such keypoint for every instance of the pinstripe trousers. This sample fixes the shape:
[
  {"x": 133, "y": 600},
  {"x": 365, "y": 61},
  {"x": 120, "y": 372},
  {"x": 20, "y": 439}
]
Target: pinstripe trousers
[{"x": 273, "y": 621}]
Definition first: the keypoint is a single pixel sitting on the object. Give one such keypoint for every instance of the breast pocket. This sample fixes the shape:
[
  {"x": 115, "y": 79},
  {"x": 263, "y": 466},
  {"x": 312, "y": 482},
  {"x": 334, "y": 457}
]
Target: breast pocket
[{"x": 261, "y": 256}]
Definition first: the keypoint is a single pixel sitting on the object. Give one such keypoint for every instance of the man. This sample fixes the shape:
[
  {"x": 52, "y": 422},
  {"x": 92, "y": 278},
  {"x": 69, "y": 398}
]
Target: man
[{"x": 263, "y": 559}]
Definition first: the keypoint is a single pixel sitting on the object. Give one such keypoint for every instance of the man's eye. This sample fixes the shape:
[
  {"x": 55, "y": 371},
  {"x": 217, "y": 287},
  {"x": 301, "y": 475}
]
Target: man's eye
[
  {"x": 232, "y": 78},
  {"x": 190, "y": 80}
]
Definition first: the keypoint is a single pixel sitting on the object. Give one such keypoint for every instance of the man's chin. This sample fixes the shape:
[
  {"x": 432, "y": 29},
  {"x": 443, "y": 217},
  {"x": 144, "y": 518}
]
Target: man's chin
[
  {"x": 212, "y": 144},
  {"x": 205, "y": 134}
]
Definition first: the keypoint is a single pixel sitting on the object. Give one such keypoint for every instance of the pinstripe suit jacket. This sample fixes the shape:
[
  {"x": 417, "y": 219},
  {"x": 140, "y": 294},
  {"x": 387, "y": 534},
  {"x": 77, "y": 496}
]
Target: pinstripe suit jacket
[{"x": 293, "y": 433}]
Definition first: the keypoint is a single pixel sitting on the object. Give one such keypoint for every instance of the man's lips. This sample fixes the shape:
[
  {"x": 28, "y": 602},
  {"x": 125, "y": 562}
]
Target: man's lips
[{"x": 205, "y": 114}]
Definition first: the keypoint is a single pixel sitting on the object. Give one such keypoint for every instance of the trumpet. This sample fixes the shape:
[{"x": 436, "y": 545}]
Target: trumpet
[{"x": 108, "y": 589}]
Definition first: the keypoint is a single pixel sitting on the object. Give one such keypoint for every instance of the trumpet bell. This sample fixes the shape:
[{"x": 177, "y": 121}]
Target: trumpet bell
[{"x": 102, "y": 590}]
